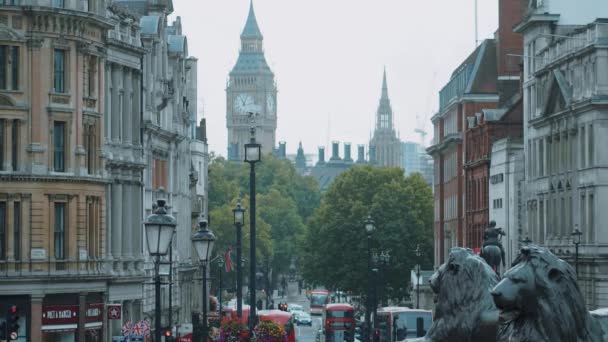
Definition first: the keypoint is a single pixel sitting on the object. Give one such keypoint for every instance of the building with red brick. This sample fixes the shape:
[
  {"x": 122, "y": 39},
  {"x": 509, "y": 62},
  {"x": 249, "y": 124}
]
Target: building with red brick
[
  {"x": 485, "y": 82},
  {"x": 493, "y": 123}
]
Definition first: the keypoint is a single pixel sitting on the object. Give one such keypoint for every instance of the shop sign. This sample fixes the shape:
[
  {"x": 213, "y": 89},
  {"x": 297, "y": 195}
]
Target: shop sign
[
  {"x": 38, "y": 254},
  {"x": 59, "y": 314},
  {"x": 94, "y": 313},
  {"x": 68, "y": 314},
  {"x": 114, "y": 311}
]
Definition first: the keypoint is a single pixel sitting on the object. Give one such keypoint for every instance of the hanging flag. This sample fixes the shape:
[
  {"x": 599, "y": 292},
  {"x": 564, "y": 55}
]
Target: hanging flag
[
  {"x": 127, "y": 329},
  {"x": 228, "y": 260}
]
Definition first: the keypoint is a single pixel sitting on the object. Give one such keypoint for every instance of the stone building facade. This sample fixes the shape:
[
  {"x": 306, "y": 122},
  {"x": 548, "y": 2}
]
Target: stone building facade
[
  {"x": 123, "y": 154},
  {"x": 565, "y": 128},
  {"x": 505, "y": 200},
  {"x": 97, "y": 119},
  {"x": 251, "y": 88},
  {"x": 384, "y": 146},
  {"x": 53, "y": 205}
]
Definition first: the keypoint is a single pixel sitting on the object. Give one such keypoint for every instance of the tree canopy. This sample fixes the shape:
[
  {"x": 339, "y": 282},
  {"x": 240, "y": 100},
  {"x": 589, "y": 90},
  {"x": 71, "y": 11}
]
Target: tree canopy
[
  {"x": 285, "y": 200},
  {"x": 335, "y": 244}
]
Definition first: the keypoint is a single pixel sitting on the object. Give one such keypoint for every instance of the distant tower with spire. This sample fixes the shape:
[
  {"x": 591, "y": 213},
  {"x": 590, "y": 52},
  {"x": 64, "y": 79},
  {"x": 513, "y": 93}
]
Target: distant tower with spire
[
  {"x": 384, "y": 146},
  {"x": 251, "y": 88}
]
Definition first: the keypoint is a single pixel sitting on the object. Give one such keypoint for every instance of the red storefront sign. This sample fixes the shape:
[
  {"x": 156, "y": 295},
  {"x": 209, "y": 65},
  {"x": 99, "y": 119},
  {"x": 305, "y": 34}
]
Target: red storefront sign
[
  {"x": 68, "y": 314},
  {"x": 185, "y": 338},
  {"x": 59, "y": 314},
  {"x": 94, "y": 313},
  {"x": 114, "y": 311}
]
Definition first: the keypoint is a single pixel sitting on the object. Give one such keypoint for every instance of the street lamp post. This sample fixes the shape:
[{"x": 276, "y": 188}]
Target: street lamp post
[
  {"x": 369, "y": 229},
  {"x": 203, "y": 242},
  {"x": 576, "y": 239},
  {"x": 418, "y": 253},
  {"x": 253, "y": 155},
  {"x": 239, "y": 220},
  {"x": 159, "y": 231},
  {"x": 375, "y": 274}
]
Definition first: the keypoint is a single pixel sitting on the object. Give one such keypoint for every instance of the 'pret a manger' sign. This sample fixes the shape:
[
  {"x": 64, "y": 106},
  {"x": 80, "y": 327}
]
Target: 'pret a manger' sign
[
  {"x": 68, "y": 314},
  {"x": 59, "y": 314}
]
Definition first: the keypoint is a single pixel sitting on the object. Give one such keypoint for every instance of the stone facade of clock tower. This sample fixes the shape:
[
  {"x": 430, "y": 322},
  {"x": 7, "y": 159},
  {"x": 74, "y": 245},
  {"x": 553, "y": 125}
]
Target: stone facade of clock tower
[{"x": 251, "y": 89}]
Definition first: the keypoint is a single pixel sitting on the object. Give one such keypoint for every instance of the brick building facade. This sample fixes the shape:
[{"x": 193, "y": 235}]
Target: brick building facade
[{"x": 479, "y": 105}]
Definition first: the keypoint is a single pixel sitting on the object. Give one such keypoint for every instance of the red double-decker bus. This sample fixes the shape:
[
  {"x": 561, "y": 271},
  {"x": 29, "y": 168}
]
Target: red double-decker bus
[
  {"x": 279, "y": 317},
  {"x": 318, "y": 300},
  {"x": 339, "y": 322},
  {"x": 229, "y": 312}
]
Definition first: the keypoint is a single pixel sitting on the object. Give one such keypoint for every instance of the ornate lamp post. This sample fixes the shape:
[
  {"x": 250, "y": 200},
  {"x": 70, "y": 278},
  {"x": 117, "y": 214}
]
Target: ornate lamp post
[
  {"x": 203, "y": 242},
  {"x": 159, "y": 230},
  {"x": 418, "y": 253},
  {"x": 253, "y": 155},
  {"x": 369, "y": 229},
  {"x": 576, "y": 239},
  {"x": 239, "y": 221}
]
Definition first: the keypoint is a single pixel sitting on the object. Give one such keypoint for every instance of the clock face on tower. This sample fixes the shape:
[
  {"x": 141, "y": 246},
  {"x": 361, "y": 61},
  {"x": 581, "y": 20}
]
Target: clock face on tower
[
  {"x": 270, "y": 104},
  {"x": 243, "y": 102}
]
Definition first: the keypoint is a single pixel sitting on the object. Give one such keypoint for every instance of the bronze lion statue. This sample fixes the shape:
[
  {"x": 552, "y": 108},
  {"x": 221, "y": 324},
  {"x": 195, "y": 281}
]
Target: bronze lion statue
[
  {"x": 465, "y": 311},
  {"x": 539, "y": 300}
]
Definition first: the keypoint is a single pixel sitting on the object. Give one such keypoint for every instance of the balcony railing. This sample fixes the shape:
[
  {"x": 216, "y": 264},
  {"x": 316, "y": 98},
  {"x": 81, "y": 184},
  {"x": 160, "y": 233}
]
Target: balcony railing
[{"x": 54, "y": 268}]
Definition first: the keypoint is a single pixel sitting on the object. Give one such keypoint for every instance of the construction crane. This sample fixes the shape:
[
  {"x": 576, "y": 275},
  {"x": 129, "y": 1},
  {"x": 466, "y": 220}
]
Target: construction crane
[{"x": 421, "y": 120}]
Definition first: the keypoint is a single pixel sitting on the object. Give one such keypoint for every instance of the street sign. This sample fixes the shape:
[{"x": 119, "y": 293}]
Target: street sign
[{"x": 114, "y": 311}]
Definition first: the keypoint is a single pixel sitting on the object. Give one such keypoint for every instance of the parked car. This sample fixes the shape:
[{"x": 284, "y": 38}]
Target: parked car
[{"x": 303, "y": 318}]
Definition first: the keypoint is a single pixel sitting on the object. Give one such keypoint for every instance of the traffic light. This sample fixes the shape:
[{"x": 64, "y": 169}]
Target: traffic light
[
  {"x": 167, "y": 334},
  {"x": 13, "y": 323},
  {"x": 376, "y": 335},
  {"x": 2, "y": 329}
]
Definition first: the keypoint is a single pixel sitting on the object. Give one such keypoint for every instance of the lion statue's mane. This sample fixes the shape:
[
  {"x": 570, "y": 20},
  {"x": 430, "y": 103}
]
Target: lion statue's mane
[
  {"x": 465, "y": 310},
  {"x": 539, "y": 300}
]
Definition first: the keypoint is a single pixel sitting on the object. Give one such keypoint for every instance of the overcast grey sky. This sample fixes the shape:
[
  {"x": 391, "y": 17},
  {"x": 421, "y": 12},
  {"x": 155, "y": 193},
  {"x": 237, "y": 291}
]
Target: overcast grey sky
[{"x": 328, "y": 55}]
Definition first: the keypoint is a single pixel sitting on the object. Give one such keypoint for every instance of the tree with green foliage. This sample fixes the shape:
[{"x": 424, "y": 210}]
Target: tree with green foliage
[
  {"x": 335, "y": 244},
  {"x": 285, "y": 201}
]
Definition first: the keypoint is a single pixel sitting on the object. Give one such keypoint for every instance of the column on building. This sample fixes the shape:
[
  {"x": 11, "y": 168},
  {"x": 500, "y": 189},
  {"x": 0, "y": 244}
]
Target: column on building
[
  {"x": 115, "y": 104},
  {"x": 108, "y": 101},
  {"x": 127, "y": 108},
  {"x": 127, "y": 228},
  {"x": 136, "y": 112},
  {"x": 117, "y": 220}
]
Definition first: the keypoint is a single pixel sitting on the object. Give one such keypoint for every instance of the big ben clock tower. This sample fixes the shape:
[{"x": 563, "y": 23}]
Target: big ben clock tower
[{"x": 251, "y": 88}]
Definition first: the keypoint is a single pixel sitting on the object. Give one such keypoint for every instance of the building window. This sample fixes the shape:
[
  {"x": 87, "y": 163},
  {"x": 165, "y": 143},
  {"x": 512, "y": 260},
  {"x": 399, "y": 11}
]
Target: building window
[
  {"x": 14, "y": 67},
  {"x": 59, "y": 231},
  {"x": 3, "y": 66},
  {"x": 590, "y": 220},
  {"x": 159, "y": 174},
  {"x": 3, "y": 230},
  {"x": 590, "y": 147},
  {"x": 15, "y": 144},
  {"x": 59, "y": 146},
  {"x": 59, "y": 71},
  {"x": 58, "y": 3},
  {"x": 17, "y": 231},
  {"x": 90, "y": 147},
  {"x": 582, "y": 145},
  {"x": 90, "y": 76},
  {"x": 2, "y": 143},
  {"x": 91, "y": 5}
]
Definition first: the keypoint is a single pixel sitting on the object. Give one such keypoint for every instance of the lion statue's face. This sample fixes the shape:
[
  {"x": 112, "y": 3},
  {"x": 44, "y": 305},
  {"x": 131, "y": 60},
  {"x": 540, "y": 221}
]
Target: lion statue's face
[
  {"x": 462, "y": 286},
  {"x": 539, "y": 300}
]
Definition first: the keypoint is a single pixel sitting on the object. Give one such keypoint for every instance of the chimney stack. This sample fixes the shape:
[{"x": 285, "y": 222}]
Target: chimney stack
[
  {"x": 321, "y": 155},
  {"x": 347, "y": 157},
  {"x": 361, "y": 154},
  {"x": 335, "y": 150},
  {"x": 282, "y": 150}
]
